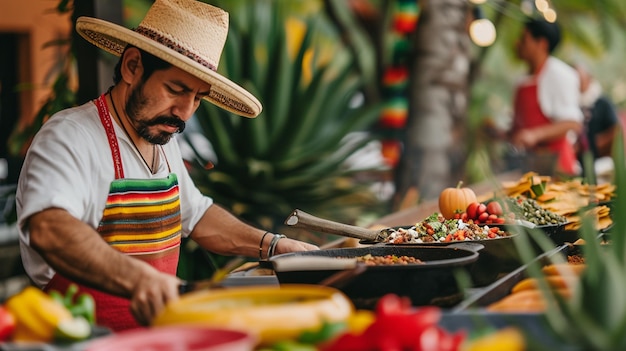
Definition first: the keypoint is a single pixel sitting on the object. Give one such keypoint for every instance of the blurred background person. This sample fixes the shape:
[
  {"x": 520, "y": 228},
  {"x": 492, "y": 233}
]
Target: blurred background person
[
  {"x": 600, "y": 117},
  {"x": 547, "y": 117}
]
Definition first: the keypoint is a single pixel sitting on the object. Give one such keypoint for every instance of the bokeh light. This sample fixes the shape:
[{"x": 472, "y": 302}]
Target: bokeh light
[{"x": 482, "y": 32}]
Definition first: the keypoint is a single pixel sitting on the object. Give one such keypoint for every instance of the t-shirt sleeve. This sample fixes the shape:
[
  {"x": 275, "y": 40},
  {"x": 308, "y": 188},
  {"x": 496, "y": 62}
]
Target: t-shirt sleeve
[
  {"x": 559, "y": 94},
  {"x": 54, "y": 172}
]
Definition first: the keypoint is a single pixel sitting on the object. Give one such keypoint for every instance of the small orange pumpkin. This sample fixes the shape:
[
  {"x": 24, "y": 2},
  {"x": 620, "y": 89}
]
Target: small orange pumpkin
[{"x": 455, "y": 200}]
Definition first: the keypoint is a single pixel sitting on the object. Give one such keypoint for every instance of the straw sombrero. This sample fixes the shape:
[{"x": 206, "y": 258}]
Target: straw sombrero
[{"x": 188, "y": 34}]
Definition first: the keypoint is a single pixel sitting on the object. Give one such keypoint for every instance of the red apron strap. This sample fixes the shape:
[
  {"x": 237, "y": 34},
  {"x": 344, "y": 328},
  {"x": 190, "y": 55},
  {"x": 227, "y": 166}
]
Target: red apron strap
[{"x": 105, "y": 118}]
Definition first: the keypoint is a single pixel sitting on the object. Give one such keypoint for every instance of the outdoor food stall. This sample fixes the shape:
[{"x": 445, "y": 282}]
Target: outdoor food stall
[{"x": 418, "y": 279}]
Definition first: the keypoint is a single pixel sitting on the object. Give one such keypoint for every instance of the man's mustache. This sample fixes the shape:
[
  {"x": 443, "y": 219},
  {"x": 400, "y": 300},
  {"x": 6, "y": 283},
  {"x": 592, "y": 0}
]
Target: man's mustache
[{"x": 170, "y": 121}]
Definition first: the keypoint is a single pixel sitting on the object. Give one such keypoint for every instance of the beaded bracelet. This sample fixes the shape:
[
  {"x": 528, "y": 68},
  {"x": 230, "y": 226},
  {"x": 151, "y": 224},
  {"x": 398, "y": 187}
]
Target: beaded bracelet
[
  {"x": 273, "y": 243},
  {"x": 261, "y": 245}
]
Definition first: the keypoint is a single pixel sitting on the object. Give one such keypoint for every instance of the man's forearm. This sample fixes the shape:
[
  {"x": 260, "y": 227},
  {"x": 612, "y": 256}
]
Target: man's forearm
[
  {"x": 555, "y": 130},
  {"x": 223, "y": 233},
  {"x": 75, "y": 250}
]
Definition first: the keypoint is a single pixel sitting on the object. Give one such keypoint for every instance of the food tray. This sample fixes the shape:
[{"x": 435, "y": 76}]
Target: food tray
[
  {"x": 502, "y": 287},
  {"x": 470, "y": 315},
  {"x": 538, "y": 334},
  {"x": 555, "y": 232}
]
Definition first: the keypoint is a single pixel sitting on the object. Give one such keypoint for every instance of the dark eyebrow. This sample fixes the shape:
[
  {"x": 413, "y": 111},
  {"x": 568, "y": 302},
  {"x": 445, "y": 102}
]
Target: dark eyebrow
[{"x": 187, "y": 89}]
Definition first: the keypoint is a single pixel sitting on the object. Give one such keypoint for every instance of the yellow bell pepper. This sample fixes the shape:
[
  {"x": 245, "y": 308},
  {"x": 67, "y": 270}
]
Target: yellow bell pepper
[
  {"x": 36, "y": 314},
  {"x": 272, "y": 313},
  {"x": 360, "y": 320}
]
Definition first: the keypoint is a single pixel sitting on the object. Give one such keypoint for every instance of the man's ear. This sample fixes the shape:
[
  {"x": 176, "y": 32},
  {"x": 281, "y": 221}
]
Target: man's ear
[{"x": 131, "y": 67}]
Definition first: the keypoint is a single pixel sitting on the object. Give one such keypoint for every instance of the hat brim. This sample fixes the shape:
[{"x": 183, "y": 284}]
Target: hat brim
[{"x": 114, "y": 38}]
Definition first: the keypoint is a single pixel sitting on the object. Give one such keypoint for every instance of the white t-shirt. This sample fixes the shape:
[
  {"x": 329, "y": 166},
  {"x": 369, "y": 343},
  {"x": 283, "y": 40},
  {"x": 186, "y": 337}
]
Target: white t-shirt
[
  {"x": 69, "y": 166},
  {"x": 558, "y": 91}
]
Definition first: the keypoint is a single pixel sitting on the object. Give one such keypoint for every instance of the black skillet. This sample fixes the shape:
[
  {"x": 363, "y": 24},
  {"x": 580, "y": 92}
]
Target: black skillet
[
  {"x": 498, "y": 256},
  {"x": 431, "y": 282}
]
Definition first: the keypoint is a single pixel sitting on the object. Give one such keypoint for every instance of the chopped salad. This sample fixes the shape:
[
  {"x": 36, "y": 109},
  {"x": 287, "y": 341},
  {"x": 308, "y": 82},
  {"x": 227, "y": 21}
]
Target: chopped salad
[{"x": 436, "y": 228}]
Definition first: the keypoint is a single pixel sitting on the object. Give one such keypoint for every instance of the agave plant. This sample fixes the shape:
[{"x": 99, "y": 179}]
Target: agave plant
[
  {"x": 595, "y": 317},
  {"x": 293, "y": 154}
]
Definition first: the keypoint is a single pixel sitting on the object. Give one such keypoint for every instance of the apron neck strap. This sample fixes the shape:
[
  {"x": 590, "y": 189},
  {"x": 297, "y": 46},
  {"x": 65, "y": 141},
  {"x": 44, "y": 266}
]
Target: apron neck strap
[{"x": 105, "y": 119}]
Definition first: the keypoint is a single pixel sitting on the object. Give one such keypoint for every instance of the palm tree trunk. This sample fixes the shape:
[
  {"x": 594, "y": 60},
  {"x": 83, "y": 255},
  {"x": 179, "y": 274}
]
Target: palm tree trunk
[{"x": 434, "y": 149}]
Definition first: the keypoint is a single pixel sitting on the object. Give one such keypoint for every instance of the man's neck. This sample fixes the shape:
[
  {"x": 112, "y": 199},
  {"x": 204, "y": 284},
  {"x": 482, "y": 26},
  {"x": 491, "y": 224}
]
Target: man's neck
[
  {"x": 537, "y": 64},
  {"x": 117, "y": 107}
]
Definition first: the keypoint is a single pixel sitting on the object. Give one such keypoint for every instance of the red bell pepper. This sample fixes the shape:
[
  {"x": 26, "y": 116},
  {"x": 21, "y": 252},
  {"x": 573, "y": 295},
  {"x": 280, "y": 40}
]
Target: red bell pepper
[
  {"x": 398, "y": 327},
  {"x": 7, "y": 324}
]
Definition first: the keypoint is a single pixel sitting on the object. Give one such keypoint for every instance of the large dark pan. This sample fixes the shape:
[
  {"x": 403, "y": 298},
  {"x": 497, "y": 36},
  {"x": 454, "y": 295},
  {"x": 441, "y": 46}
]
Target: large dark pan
[
  {"x": 498, "y": 256},
  {"x": 432, "y": 282}
]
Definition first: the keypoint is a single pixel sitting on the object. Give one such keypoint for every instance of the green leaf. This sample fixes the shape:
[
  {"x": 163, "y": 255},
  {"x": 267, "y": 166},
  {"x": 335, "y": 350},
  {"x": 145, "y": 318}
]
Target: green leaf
[{"x": 292, "y": 155}]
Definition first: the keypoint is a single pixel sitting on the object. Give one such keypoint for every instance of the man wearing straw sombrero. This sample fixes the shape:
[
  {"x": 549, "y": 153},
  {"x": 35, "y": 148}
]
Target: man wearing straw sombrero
[{"x": 104, "y": 197}]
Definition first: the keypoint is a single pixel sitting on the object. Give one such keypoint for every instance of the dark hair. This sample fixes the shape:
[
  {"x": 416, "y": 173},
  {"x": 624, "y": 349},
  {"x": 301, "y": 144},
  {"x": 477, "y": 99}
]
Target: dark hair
[
  {"x": 150, "y": 64},
  {"x": 540, "y": 28}
]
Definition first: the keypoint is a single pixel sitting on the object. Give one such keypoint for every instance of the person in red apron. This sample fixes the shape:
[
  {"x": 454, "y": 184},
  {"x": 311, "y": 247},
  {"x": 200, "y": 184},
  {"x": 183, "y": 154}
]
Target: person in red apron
[
  {"x": 546, "y": 108},
  {"x": 141, "y": 218},
  {"x": 104, "y": 197}
]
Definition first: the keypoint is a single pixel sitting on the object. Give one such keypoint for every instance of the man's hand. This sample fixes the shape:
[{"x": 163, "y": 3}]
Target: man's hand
[
  {"x": 151, "y": 293},
  {"x": 531, "y": 137},
  {"x": 290, "y": 245},
  {"x": 524, "y": 139}
]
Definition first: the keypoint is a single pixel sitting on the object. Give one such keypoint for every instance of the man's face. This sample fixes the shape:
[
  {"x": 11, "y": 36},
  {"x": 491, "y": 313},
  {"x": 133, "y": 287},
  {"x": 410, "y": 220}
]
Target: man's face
[
  {"x": 527, "y": 46},
  {"x": 160, "y": 106}
]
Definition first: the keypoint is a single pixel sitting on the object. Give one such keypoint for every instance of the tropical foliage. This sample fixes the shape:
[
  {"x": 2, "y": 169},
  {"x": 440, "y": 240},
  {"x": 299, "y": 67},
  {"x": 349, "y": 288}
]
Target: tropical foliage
[
  {"x": 595, "y": 316},
  {"x": 293, "y": 154}
]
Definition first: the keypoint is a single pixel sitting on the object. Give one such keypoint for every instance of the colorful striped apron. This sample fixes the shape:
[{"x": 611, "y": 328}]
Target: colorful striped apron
[{"x": 141, "y": 219}]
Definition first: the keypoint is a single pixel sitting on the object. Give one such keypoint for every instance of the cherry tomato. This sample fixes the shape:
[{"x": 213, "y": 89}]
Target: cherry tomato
[
  {"x": 482, "y": 208},
  {"x": 472, "y": 210},
  {"x": 495, "y": 208},
  {"x": 483, "y": 217}
]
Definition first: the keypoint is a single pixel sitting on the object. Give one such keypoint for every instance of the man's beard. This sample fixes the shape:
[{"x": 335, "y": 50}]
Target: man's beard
[{"x": 134, "y": 106}]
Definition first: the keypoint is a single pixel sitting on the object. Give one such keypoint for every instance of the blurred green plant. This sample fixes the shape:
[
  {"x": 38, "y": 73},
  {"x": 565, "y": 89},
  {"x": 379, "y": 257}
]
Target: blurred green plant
[
  {"x": 293, "y": 154},
  {"x": 595, "y": 317},
  {"x": 61, "y": 97}
]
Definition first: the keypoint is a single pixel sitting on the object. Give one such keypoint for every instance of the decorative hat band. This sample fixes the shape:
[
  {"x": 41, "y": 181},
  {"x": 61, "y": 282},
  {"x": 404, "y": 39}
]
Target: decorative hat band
[
  {"x": 189, "y": 34},
  {"x": 149, "y": 33}
]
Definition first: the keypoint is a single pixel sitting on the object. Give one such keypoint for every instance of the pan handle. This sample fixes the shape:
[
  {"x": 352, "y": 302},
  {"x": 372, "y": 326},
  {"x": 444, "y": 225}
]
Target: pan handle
[
  {"x": 301, "y": 219},
  {"x": 307, "y": 263},
  {"x": 475, "y": 247}
]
